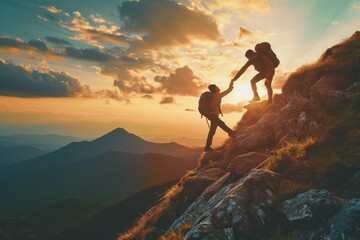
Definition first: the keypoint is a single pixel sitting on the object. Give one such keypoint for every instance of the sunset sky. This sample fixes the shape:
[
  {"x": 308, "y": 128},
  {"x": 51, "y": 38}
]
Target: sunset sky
[{"x": 83, "y": 68}]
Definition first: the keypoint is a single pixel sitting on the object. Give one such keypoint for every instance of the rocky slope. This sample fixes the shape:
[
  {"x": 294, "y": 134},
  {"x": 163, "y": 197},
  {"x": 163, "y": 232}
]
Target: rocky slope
[{"x": 291, "y": 171}]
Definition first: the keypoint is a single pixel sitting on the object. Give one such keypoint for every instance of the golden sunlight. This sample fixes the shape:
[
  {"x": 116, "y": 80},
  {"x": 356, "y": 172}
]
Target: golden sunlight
[{"x": 242, "y": 92}]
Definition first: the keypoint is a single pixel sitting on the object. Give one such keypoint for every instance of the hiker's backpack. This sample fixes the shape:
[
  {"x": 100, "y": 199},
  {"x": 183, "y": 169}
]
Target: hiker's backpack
[
  {"x": 265, "y": 48},
  {"x": 205, "y": 103}
]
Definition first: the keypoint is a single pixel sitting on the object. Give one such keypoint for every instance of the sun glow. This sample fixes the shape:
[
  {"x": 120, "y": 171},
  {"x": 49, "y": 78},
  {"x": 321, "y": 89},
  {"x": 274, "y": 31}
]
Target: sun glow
[{"x": 242, "y": 92}]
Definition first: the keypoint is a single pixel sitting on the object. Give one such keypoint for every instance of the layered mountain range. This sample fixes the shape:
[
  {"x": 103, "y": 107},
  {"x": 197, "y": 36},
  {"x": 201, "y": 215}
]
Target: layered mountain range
[{"x": 109, "y": 168}]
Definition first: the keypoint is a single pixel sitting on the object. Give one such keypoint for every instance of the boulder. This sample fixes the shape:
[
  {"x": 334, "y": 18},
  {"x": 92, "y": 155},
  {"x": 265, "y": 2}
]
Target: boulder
[
  {"x": 254, "y": 113},
  {"x": 201, "y": 207},
  {"x": 212, "y": 174},
  {"x": 248, "y": 203},
  {"x": 209, "y": 159},
  {"x": 254, "y": 137},
  {"x": 319, "y": 91},
  {"x": 200, "y": 231},
  {"x": 214, "y": 188},
  {"x": 243, "y": 163},
  {"x": 310, "y": 209},
  {"x": 305, "y": 126},
  {"x": 244, "y": 205},
  {"x": 355, "y": 180},
  {"x": 223, "y": 234},
  {"x": 345, "y": 224},
  {"x": 295, "y": 105}
]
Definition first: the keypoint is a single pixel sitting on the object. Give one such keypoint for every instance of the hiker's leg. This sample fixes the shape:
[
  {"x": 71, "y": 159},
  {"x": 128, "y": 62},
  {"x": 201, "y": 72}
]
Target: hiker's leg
[
  {"x": 253, "y": 82},
  {"x": 222, "y": 125},
  {"x": 269, "y": 89},
  {"x": 212, "y": 130}
]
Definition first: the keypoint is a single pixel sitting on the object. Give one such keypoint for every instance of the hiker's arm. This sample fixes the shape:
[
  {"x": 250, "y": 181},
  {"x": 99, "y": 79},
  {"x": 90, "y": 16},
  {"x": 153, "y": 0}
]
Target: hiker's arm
[
  {"x": 268, "y": 65},
  {"x": 242, "y": 70},
  {"x": 227, "y": 91}
]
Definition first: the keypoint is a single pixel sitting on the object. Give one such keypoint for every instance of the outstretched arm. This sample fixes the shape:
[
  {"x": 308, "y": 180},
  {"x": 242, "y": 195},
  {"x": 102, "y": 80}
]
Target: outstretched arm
[
  {"x": 242, "y": 70},
  {"x": 227, "y": 91}
]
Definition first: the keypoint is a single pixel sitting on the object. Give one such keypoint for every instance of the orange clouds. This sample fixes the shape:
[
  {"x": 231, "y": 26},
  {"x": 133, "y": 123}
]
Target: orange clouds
[
  {"x": 96, "y": 34},
  {"x": 32, "y": 48},
  {"x": 167, "y": 100},
  {"x": 181, "y": 82},
  {"x": 23, "y": 81},
  {"x": 165, "y": 23},
  {"x": 229, "y": 108},
  {"x": 241, "y": 5}
]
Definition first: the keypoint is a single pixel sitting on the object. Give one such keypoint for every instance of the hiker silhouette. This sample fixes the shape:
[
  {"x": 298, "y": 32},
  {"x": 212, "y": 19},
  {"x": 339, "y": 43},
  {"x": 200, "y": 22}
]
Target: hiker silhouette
[
  {"x": 209, "y": 106},
  {"x": 264, "y": 61}
]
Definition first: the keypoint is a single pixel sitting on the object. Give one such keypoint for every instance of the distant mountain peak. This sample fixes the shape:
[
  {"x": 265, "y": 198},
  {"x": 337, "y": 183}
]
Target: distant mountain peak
[
  {"x": 118, "y": 131},
  {"x": 117, "y": 134}
]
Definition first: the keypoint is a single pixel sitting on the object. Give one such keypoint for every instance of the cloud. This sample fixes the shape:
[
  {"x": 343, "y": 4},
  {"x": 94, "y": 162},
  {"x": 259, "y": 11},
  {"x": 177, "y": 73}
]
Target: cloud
[
  {"x": 163, "y": 23},
  {"x": 229, "y": 108},
  {"x": 182, "y": 82},
  {"x": 167, "y": 100},
  {"x": 128, "y": 73},
  {"x": 356, "y": 6},
  {"x": 52, "y": 9},
  {"x": 58, "y": 41},
  {"x": 241, "y": 5},
  {"x": 40, "y": 45},
  {"x": 11, "y": 42},
  {"x": 105, "y": 94},
  {"x": 97, "y": 18},
  {"x": 138, "y": 85},
  {"x": 23, "y": 81},
  {"x": 49, "y": 17},
  {"x": 148, "y": 96},
  {"x": 91, "y": 54},
  {"x": 94, "y": 34},
  {"x": 245, "y": 33},
  {"x": 32, "y": 47}
]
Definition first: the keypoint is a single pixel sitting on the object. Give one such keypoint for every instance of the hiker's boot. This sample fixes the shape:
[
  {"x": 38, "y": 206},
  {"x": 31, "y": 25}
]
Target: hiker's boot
[
  {"x": 232, "y": 134},
  {"x": 256, "y": 98}
]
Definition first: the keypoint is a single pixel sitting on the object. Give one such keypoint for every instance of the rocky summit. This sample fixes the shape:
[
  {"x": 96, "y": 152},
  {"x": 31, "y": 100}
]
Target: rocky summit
[{"x": 290, "y": 172}]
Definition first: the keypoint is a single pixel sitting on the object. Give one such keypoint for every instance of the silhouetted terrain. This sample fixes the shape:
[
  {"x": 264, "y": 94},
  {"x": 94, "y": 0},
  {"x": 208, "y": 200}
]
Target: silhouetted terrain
[
  {"x": 105, "y": 224},
  {"x": 43, "y": 222},
  {"x": 12, "y": 155},
  {"x": 110, "y": 176},
  {"x": 49, "y": 142}
]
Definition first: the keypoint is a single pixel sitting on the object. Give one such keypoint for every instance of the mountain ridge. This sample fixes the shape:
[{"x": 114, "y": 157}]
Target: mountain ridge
[{"x": 117, "y": 140}]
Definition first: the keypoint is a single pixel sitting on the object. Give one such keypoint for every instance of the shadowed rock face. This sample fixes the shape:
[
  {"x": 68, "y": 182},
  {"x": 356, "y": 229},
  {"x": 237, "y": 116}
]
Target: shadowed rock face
[
  {"x": 310, "y": 208},
  {"x": 243, "y": 197},
  {"x": 345, "y": 224},
  {"x": 243, "y": 205}
]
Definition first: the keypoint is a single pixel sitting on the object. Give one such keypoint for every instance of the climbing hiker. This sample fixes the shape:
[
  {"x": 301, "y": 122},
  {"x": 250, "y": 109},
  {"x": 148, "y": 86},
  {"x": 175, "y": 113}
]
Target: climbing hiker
[
  {"x": 209, "y": 106},
  {"x": 264, "y": 61}
]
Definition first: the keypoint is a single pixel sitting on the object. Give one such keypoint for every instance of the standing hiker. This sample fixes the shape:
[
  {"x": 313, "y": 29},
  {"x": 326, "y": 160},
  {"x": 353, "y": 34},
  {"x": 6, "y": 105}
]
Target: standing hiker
[
  {"x": 209, "y": 106},
  {"x": 264, "y": 61}
]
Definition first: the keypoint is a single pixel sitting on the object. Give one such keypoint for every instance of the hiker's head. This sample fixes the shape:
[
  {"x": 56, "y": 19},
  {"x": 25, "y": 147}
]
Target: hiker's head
[
  {"x": 249, "y": 53},
  {"x": 213, "y": 88}
]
